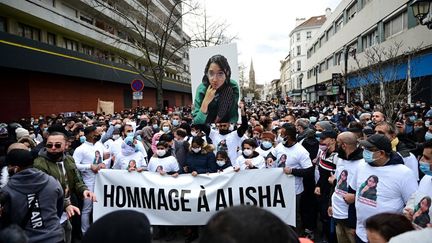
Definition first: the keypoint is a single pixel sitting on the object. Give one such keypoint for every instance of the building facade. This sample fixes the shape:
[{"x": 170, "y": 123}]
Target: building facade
[
  {"x": 341, "y": 47},
  {"x": 62, "y": 56},
  {"x": 285, "y": 77},
  {"x": 300, "y": 37}
]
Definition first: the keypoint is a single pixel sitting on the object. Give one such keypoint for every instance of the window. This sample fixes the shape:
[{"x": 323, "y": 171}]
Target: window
[
  {"x": 329, "y": 62},
  {"x": 339, "y": 24},
  {"x": 351, "y": 11},
  {"x": 71, "y": 44},
  {"x": 298, "y": 65},
  {"x": 121, "y": 35},
  {"x": 86, "y": 18},
  {"x": 51, "y": 39},
  {"x": 370, "y": 39},
  {"x": 29, "y": 32},
  {"x": 330, "y": 33},
  {"x": 299, "y": 83},
  {"x": 86, "y": 49},
  {"x": 339, "y": 58},
  {"x": 308, "y": 35},
  {"x": 3, "y": 24},
  {"x": 396, "y": 25},
  {"x": 298, "y": 50},
  {"x": 322, "y": 67},
  {"x": 298, "y": 36},
  {"x": 322, "y": 40}
]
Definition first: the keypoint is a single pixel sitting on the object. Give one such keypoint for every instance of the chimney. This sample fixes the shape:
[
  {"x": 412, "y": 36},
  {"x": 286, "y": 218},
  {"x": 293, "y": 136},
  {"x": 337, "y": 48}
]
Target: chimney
[
  {"x": 328, "y": 12},
  {"x": 299, "y": 21}
]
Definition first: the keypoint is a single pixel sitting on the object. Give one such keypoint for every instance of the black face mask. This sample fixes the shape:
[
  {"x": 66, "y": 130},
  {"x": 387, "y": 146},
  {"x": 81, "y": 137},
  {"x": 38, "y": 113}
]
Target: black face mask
[
  {"x": 54, "y": 156},
  {"x": 224, "y": 131},
  {"x": 97, "y": 137},
  {"x": 286, "y": 143}
]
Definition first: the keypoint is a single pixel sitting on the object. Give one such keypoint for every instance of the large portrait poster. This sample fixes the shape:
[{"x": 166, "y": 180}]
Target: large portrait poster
[{"x": 215, "y": 88}]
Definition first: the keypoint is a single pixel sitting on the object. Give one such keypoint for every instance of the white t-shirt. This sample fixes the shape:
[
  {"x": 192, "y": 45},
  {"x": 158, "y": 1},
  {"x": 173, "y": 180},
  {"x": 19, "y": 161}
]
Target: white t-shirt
[
  {"x": 295, "y": 157},
  {"x": 339, "y": 206},
  {"x": 412, "y": 163},
  {"x": 229, "y": 142},
  {"x": 86, "y": 155},
  {"x": 420, "y": 201},
  {"x": 381, "y": 189},
  {"x": 168, "y": 164},
  {"x": 122, "y": 161},
  {"x": 115, "y": 147},
  {"x": 263, "y": 153},
  {"x": 258, "y": 162}
]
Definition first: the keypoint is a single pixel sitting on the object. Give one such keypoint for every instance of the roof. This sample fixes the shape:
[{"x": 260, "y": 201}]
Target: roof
[{"x": 312, "y": 22}]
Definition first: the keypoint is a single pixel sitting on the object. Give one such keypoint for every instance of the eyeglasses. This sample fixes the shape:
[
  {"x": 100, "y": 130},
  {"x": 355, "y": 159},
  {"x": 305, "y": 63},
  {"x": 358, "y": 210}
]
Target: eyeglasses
[
  {"x": 56, "y": 145},
  {"x": 218, "y": 75}
]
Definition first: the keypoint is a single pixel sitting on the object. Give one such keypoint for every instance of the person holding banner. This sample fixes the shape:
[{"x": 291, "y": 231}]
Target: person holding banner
[
  {"x": 200, "y": 159},
  {"x": 130, "y": 153},
  {"x": 217, "y": 95},
  {"x": 163, "y": 161},
  {"x": 250, "y": 158}
]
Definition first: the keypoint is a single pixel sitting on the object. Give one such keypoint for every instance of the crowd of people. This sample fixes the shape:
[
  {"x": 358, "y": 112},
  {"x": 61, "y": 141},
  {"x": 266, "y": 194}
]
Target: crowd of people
[{"x": 356, "y": 170}]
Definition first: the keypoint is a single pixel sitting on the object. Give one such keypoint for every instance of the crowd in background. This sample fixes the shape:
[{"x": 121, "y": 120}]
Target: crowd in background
[{"x": 351, "y": 162}]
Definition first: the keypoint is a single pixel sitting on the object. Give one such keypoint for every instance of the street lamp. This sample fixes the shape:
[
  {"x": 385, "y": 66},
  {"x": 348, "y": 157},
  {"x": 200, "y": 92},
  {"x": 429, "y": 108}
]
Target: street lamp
[{"x": 421, "y": 10}]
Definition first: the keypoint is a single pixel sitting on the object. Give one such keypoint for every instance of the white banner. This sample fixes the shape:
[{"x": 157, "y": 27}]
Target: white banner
[{"x": 188, "y": 200}]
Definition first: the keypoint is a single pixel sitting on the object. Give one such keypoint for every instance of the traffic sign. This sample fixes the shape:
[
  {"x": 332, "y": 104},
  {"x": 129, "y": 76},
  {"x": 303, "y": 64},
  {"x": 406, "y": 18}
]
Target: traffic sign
[
  {"x": 137, "y": 95},
  {"x": 137, "y": 85}
]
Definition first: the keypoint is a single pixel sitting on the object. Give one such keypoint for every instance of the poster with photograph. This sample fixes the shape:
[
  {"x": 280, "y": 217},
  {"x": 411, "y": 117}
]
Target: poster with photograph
[{"x": 215, "y": 88}]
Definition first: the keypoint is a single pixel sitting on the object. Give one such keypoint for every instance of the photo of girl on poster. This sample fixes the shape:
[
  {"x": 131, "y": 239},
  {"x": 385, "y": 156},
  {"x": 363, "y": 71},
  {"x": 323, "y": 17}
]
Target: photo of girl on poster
[
  {"x": 421, "y": 212},
  {"x": 216, "y": 99}
]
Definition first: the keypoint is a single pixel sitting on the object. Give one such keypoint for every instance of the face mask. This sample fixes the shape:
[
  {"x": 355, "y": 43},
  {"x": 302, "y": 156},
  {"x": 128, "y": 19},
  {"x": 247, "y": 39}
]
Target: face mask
[
  {"x": 223, "y": 131},
  {"x": 274, "y": 127},
  {"x": 155, "y": 126},
  {"x": 425, "y": 168},
  {"x": 97, "y": 137},
  {"x": 408, "y": 129},
  {"x": 427, "y": 123},
  {"x": 247, "y": 152},
  {"x": 161, "y": 152},
  {"x": 280, "y": 139},
  {"x": 312, "y": 119},
  {"x": 231, "y": 127},
  {"x": 165, "y": 129},
  {"x": 32, "y": 136},
  {"x": 220, "y": 162},
  {"x": 428, "y": 136},
  {"x": 366, "y": 106},
  {"x": 368, "y": 156},
  {"x": 412, "y": 118},
  {"x": 323, "y": 147},
  {"x": 116, "y": 136},
  {"x": 196, "y": 150},
  {"x": 35, "y": 127},
  {"x": 54, "y": 156},
  {"x": 45, "y": 129},
  {"x": 118, "y": 126},
  {"x": 139, "y": 138},
  {"x": 82, "y": 139},
  {"x": 281, "y": 123},
  {"x": 266, "y": 144},
  {"x": 175, "y": 122},
  {"x": 194, "y": 134}
]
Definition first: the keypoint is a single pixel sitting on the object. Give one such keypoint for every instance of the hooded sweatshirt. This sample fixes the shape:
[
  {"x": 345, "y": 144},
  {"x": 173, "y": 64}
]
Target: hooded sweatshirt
[{"x": 23, "y": 188}]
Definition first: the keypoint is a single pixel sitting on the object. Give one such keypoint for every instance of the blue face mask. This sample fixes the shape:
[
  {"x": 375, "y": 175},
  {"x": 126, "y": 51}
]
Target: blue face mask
[
  {"x": 428, "y": 136},
  {"x": 368, "y": 156},
  {"x": 139, "y": 138},
  {"x": 175, "y": 122},
  {"x": 155, "y": 126},
  {"x": 82, "y": 139},
  {"x": 266, "y": 144},
  {"x": 130, "y": 134},
  {"x": 165, "y": 129},
  {"x": 409, "y": 129},
  {"x": 427, "y": 123},
  {"x": 425, "y": 168}
]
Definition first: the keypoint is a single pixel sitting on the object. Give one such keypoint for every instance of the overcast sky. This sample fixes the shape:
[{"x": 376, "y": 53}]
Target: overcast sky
[{"x": 263, "y": 28}]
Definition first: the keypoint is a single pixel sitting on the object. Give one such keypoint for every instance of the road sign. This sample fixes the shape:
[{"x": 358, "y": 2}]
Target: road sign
[
  {"x": 137, "y": 85},
  {"x": 137, "y": 95}
]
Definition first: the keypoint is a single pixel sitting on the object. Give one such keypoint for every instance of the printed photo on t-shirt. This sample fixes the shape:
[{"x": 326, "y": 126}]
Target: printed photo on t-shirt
[
  {"x": 159, "y": 168},
  {"x": 98, "y": 158},
  {"x": 421, "y": 215},
  {"x": 222, "y": 146},
  {"x": 342, "y": 183},
  {"x": 132, "y": 164},
  {"x": 367, "y": 193},
  {"x": 282, "y": 161}
]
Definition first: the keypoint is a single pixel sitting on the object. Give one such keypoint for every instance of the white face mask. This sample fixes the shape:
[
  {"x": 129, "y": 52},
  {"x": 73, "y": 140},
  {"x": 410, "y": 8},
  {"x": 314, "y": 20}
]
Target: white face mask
[
  {"x": 196, "y": 150},
  {"x": 220, "y": 162},
  {"x": 231, "y": 127},
  {"x": 161, "y": 152},
  {"x": 116, "y": 136},
  {"x": 247, "y": 152},
  {"x": 32, "y": 136},
  {"x": 194, "y": 134},
  {"x": 165, "y": 129}
]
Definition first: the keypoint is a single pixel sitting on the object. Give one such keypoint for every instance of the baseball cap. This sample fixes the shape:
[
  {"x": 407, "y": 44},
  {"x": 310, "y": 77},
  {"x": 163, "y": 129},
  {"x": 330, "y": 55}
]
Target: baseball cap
[{"x": 378, "y": 141}]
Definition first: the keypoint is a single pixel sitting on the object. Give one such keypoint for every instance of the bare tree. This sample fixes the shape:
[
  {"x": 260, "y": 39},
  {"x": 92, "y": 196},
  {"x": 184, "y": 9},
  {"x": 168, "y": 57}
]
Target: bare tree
[
  {"x": 156, "y": 37},
  {"x": 379, "y": 77}
]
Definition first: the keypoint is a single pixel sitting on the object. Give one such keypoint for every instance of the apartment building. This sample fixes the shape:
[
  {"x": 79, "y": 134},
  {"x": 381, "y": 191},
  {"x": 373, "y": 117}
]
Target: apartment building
[{"x": 60, "y": 56}]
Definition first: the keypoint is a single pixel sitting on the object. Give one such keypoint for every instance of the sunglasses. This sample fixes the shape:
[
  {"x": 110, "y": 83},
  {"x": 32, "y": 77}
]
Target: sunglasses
[{"x": 56, "y": 145}]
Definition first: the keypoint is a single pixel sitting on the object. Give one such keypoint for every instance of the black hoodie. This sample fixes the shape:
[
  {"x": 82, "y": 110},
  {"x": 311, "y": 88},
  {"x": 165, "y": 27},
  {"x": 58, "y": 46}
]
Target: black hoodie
[{"x": 43, "y": 224}]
